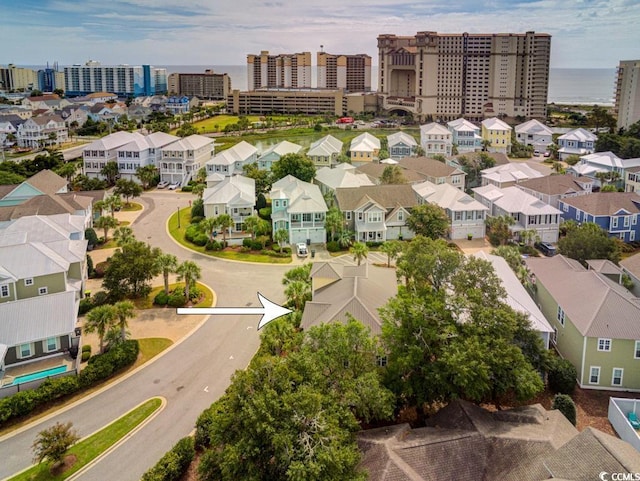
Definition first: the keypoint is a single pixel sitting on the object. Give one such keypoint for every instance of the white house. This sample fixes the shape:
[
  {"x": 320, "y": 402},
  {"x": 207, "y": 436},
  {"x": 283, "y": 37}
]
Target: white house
[
  {"x": 590, "y": 165},
  {"x": 231, "y": 161},
  {"x": 401, "y": 144},
  {"x": 268, "y": 157},
  {"x": 435, "y": 139},
  {"x": 466, "y": 136},
  {"x": 325, "y": 151},
  {"x": 535, "y": 133},
  {"x": 235, "y": 196},
  {"x": 527, "y": 211},
  {"x": 42, "y": 131},
  {"x": 184, "y": 157},
  {"x": 299, "y": 208},
  {"x": 343, "y": 175},
  {"x": 576, "y": 142},
  {"x": 512, "y": 173},
  {"x": 466, "y": 215}
]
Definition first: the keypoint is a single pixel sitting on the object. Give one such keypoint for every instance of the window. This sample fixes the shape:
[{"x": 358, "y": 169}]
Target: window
[
  {"x": 42, "y": 291},
  {"x": 594, "y": 375},
  {"x": 626, "y": 221},
  {"x": 560, "y": 316},
  {"x": 51, "y": 344},
  {"x": 25, "y": 350},
  {"x": 604, "y": 345},
  {"x": 4, "y": 290},
  {"x": 636, "y": 351},
  {"x": 28, "y": 281},
  {"x": 554, "y": 336},
  {"x": 347, "y": 215},
  {"x": 374, "y": 217},
  {"x": 616, "y": 377},
  {"x": 276, "y": 203},
  {"x": 400, "y": 215},
  {"x": 360, "y": 216},
  {"x": 614, "y": 222}
]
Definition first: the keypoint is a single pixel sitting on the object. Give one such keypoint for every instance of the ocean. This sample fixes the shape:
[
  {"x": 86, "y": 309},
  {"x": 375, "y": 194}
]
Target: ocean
[{"x": 566, "y": 85}]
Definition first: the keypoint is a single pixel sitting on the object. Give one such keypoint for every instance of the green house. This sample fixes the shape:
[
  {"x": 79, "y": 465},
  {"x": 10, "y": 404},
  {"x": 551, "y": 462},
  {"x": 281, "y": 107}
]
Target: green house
[{"x": 596, "y": 321}]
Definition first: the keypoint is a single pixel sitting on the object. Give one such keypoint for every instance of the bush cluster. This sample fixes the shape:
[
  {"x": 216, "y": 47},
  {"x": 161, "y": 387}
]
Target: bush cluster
[
  {"x": 174, "y": 463},
  {"x": 254, "y": 245},
  {"x": 371, "y": 244},
  {"x": 194, "y": 235},
  {"x": 214, "y": 245},
  {"x": 187, "y": 188},
  {"x": 196, "y": 219},
  {"x": 203, "y": 428},
  {"x": 333, "y": 246},
  {"x": 99, "y": 368},
  {"x": 265, "y": 213},
  {"x": 271, "y": 253},
  {"x": 86, "y": 352},
  {"x": 100, "y": 269},
  {"x": 562, "y": 376},
  {"x": 564, "y": 404}
]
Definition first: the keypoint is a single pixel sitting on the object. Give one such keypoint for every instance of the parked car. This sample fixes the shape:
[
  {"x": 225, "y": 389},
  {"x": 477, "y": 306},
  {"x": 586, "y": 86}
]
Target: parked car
[
  {"x": 547, "y": 249},
  {"x": 162, "y": 184},
  {"x": 301, "y": 249},
  {"x": 547, "y": 154},
  {"x": 536, "y": 152},
  {"x": 174, "y": 186}
]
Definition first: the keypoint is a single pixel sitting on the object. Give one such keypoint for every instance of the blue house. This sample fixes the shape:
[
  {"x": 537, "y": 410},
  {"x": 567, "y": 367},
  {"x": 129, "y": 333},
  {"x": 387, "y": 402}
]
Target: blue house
[
  {"x": 576, "y": 142},
  {"x": 616, "y": 212},
  {"x": 401, "y": 145},
  {"x": 178, "y": 105}
]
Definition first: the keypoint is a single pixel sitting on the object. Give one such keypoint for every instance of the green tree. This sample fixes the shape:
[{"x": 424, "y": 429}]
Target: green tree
[
  {"x": 99, "y": 320},
  {"x": 297, "y": 165},
  {"x": 359, "y": 250},
  {"x": 186, "y": 130},
  {"x": 190, "y": 272},
  {"x": 564, "y": 404},
  {"x": 208, "y": 225},
  {"x": 123, "y": 234},
  {"x": 67, "y": 170},
  {"x": 334, "y": 222},
  {"x": 112, "y": 203},
  {"x": 110, "y": 172},
  {"x": 512, "y": 255},
  {"x": 392, "y": 174},
  {"x": 105, "y": 223},
  {"x": 609, "y": 188},
  {"x": 572, "y": 159},
  {"x": 263, "y": 178},
  {"x": 345, "y": 238},
  {"x": 146, "y": 174},
  {"x": 392, "y": 248},
  {"x": 198, "y": 190},
  {"x": 588, "y": 241},
  {"x": 429, "y": 220},
  {"x": 166, "y": 264},
  {"x": 9, "y": 178},
  {"x": 298, "y": 293},
  {"x": 53, "y": 443},
  {"x": 124, "y": 311},
  {"x": 428, "y": 263},
  {"x": 130, "y": 270},
  {"x": 281, "y": 236},
  {"x": 127, "y": 189},
  {"x": 225, "y": 222},
  {"x": 499, "y": 229},
  {"x": 251, "y": 224}
]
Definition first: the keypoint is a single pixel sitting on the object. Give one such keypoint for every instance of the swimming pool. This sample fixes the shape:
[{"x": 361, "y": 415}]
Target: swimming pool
[{"x": 38, "y": 375}]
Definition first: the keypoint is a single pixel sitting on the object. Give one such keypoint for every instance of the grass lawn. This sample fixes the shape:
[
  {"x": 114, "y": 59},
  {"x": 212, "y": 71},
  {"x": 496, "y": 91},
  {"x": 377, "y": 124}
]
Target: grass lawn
[
  {"x": 93, "y": 446},
  {"x": 147, "y": 302},
  {"x": 178, "y": 234},
  {"x": 150, "y": 347},
  {"x": 131, "y": 207}
]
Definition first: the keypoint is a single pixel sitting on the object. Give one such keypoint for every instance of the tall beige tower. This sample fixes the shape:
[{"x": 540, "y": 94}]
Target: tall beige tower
[
  {"x": 278, "y": 71},
  {"x": 348, "y": 72},
  {"x": 628, "y": 93},
  {"x": 447, "y": 76}
]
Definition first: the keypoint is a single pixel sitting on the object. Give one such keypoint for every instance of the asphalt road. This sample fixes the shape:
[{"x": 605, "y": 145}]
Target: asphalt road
[{"x": 191, "y": 375}]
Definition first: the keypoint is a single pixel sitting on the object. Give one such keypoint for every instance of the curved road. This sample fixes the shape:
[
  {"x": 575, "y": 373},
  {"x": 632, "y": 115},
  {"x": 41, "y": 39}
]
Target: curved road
[{"x": 191, "y": 375}]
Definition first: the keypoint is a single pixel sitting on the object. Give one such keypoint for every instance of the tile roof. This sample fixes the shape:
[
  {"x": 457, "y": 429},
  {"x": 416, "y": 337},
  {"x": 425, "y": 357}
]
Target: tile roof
[
  {"x": 388, "y": 196},
  {"x": 193, "y": 142},
  {"x": 365, "y": 143},
  {"x": 240, "y": 152},
  {"x": 597, "y": 306},
  {"x": 632, "y": 264},
  {"x": 555, "y": 184},
  {"x": 447, "y": 196},
  {"x": 374, "y": 171},
  {"x": 609, "y": 159},
  {"x": 283, "y": 148},
  {"x": 606, "y": 203}
]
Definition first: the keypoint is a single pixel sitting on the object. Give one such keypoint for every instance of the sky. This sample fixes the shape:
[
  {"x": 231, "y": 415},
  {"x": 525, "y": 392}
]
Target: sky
[{"x": 586, "y": 33}]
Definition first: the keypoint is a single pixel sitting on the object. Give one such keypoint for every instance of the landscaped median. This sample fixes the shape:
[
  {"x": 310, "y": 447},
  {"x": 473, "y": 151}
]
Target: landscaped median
[
  {"x": 92, "y": 447},
  {"x": 178, "y": 227}
]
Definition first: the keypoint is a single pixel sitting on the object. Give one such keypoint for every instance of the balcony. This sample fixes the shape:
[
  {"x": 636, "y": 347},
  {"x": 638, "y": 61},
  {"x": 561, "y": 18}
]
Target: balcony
[{"x": 401, "y": 101}]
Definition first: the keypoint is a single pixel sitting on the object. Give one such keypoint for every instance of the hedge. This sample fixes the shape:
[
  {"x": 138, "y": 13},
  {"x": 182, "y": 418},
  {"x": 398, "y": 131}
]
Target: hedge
[
  {"x": 562, "y": 376},
  {"x": 174, "y": 463},
  {"x": 203, "y": 428},
  {"x": 333, "y": 246},
  {"x": 99, "y": 368}
]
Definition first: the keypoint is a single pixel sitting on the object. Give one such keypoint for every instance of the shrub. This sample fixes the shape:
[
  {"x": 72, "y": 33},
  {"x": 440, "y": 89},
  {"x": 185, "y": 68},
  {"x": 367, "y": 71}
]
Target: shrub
[
  {"x": 562, "y": 376},
  {"x": 104, "y": 365},
  {"x": 373, "y": 244},
  {"x": 196, "y": 219},
  {"x": 333, "y": 246},
  {"x": 187, "y": 188},
  {"x": 203, "y": 428},
  {"x": 90, "y": 269},
  {"x": 177, "y": 299},
  {"x": 86, "y": 348},
  {"x": 261, "y": 201},
  {"x": 245, "y": 249},
  {"x": 100, "y": 269},
  {"x": 100, "y": 298},
  {"x": 161, "y": 299},
  {"x": 174, "y": 463},
  {"x": 191, "y": 232},
  {"x": 91, "y": 236},
  {"x": 201, "y": 239},
  {"x": 265, "y": 213},
  {"x": 85, "y": 356},
  {"x": 564, "y": 404},
  {"x": 286, "y": 250},
  {"x": 197, "y": 208},
  {"x": 213, "y": 245},
  {"x": 247, "y": 241},
  {"x": 86, "y": 304}
]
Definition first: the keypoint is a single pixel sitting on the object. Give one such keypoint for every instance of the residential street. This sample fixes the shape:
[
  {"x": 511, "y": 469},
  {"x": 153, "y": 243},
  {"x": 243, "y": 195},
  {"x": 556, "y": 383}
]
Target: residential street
[{"x": 191, "y": 375}]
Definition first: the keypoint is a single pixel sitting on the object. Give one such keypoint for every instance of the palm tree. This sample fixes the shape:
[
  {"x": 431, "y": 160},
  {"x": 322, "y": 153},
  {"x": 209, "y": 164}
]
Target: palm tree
[
  {"x": 106, "y": 223},
  {"x": 166, "y": 263},
  {"x": 112, "y": 203},
  {"x": 99, "y": 320},
  {"x": 281, "y": 236},
  {"x": 190, "y": 272},
  {"x": 344, "y": 238},
  {"x": 298, "y": 293},
  {"x": 251, "y": 225},
  {"x": 123, "y": 234},
  {"x": 124, "y": 311},
  {"x": 198, "y": 190},
  {"x": 359, "y": 251},
  {"x": 224, "y": 221},
  {"x": 334, "y": 221},
  {"x": 208, "y": 225},
  {"x": 392, "y": 248}
]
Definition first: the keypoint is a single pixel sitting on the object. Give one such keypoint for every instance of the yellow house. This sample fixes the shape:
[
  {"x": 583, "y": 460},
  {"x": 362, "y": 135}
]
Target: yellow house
[
  {"x": 364, "y": 148},
  {"x": 498, "y": 133}
]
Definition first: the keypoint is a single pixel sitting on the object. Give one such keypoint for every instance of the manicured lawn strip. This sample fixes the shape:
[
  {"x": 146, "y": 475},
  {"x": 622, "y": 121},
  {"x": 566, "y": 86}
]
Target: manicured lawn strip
[
  {"x": 178, "y": 235},
  {"x": 150, "y": 347},
  {"x": 131, "y": 207},
  {"x": 147, "y": 302},
  {"x": 93, "y": 446}
]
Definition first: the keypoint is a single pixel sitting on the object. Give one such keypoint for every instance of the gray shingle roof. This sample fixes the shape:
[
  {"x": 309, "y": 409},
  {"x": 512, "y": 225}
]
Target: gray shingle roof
[
  {"x": 47, "y": 181},
  {"x": 606, "y": 203},
  {"x": 556, "y": 184},
  {"x": 375, "y": 171},
  {"x": 428, "y": 166},
  {"x": 388, "y": 196}
]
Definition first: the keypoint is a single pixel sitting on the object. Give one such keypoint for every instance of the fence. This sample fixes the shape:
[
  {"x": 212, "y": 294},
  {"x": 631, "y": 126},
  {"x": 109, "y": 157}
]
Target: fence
[
  {"x": 12, "y": 389},
  {"x": 619, "y": 408}
]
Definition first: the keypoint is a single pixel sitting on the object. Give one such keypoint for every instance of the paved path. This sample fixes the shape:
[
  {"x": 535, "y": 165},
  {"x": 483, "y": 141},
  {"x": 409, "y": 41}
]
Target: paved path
[{"x": 191, "y": 375}]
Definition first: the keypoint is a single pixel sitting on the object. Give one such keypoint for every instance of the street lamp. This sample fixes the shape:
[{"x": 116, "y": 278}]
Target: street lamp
[{"x": 178, "y": 217}]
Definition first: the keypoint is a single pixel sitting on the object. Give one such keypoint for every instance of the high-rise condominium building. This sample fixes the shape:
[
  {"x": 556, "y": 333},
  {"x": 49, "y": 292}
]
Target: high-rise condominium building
[
  {"x": 628, "y": 93},
  {"x": 278, "y": 71},
  {"x": 349, "y": 72},
  {"x": 17, "y": 78},
  {"x": 122, "y": 80},
  {"x": 207, "y": 85},
  {"x": 451, "y": 75}
]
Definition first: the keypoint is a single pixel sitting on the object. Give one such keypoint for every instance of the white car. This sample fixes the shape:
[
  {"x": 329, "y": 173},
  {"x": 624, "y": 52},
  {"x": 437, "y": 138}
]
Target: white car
[
  {"x": 301, "y": 249},
  {"x": 174, "y": 186},
  {"x": 163, "y": 184}
]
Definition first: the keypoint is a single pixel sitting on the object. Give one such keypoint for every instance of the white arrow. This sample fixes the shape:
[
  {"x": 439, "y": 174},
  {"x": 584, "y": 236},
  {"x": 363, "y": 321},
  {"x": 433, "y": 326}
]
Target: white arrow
[{"x": 269, "y": 311}]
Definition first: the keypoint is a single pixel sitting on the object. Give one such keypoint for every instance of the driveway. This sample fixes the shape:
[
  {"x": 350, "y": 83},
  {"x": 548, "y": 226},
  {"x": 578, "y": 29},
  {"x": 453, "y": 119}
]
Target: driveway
[{"x": 190, "y": 375}]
